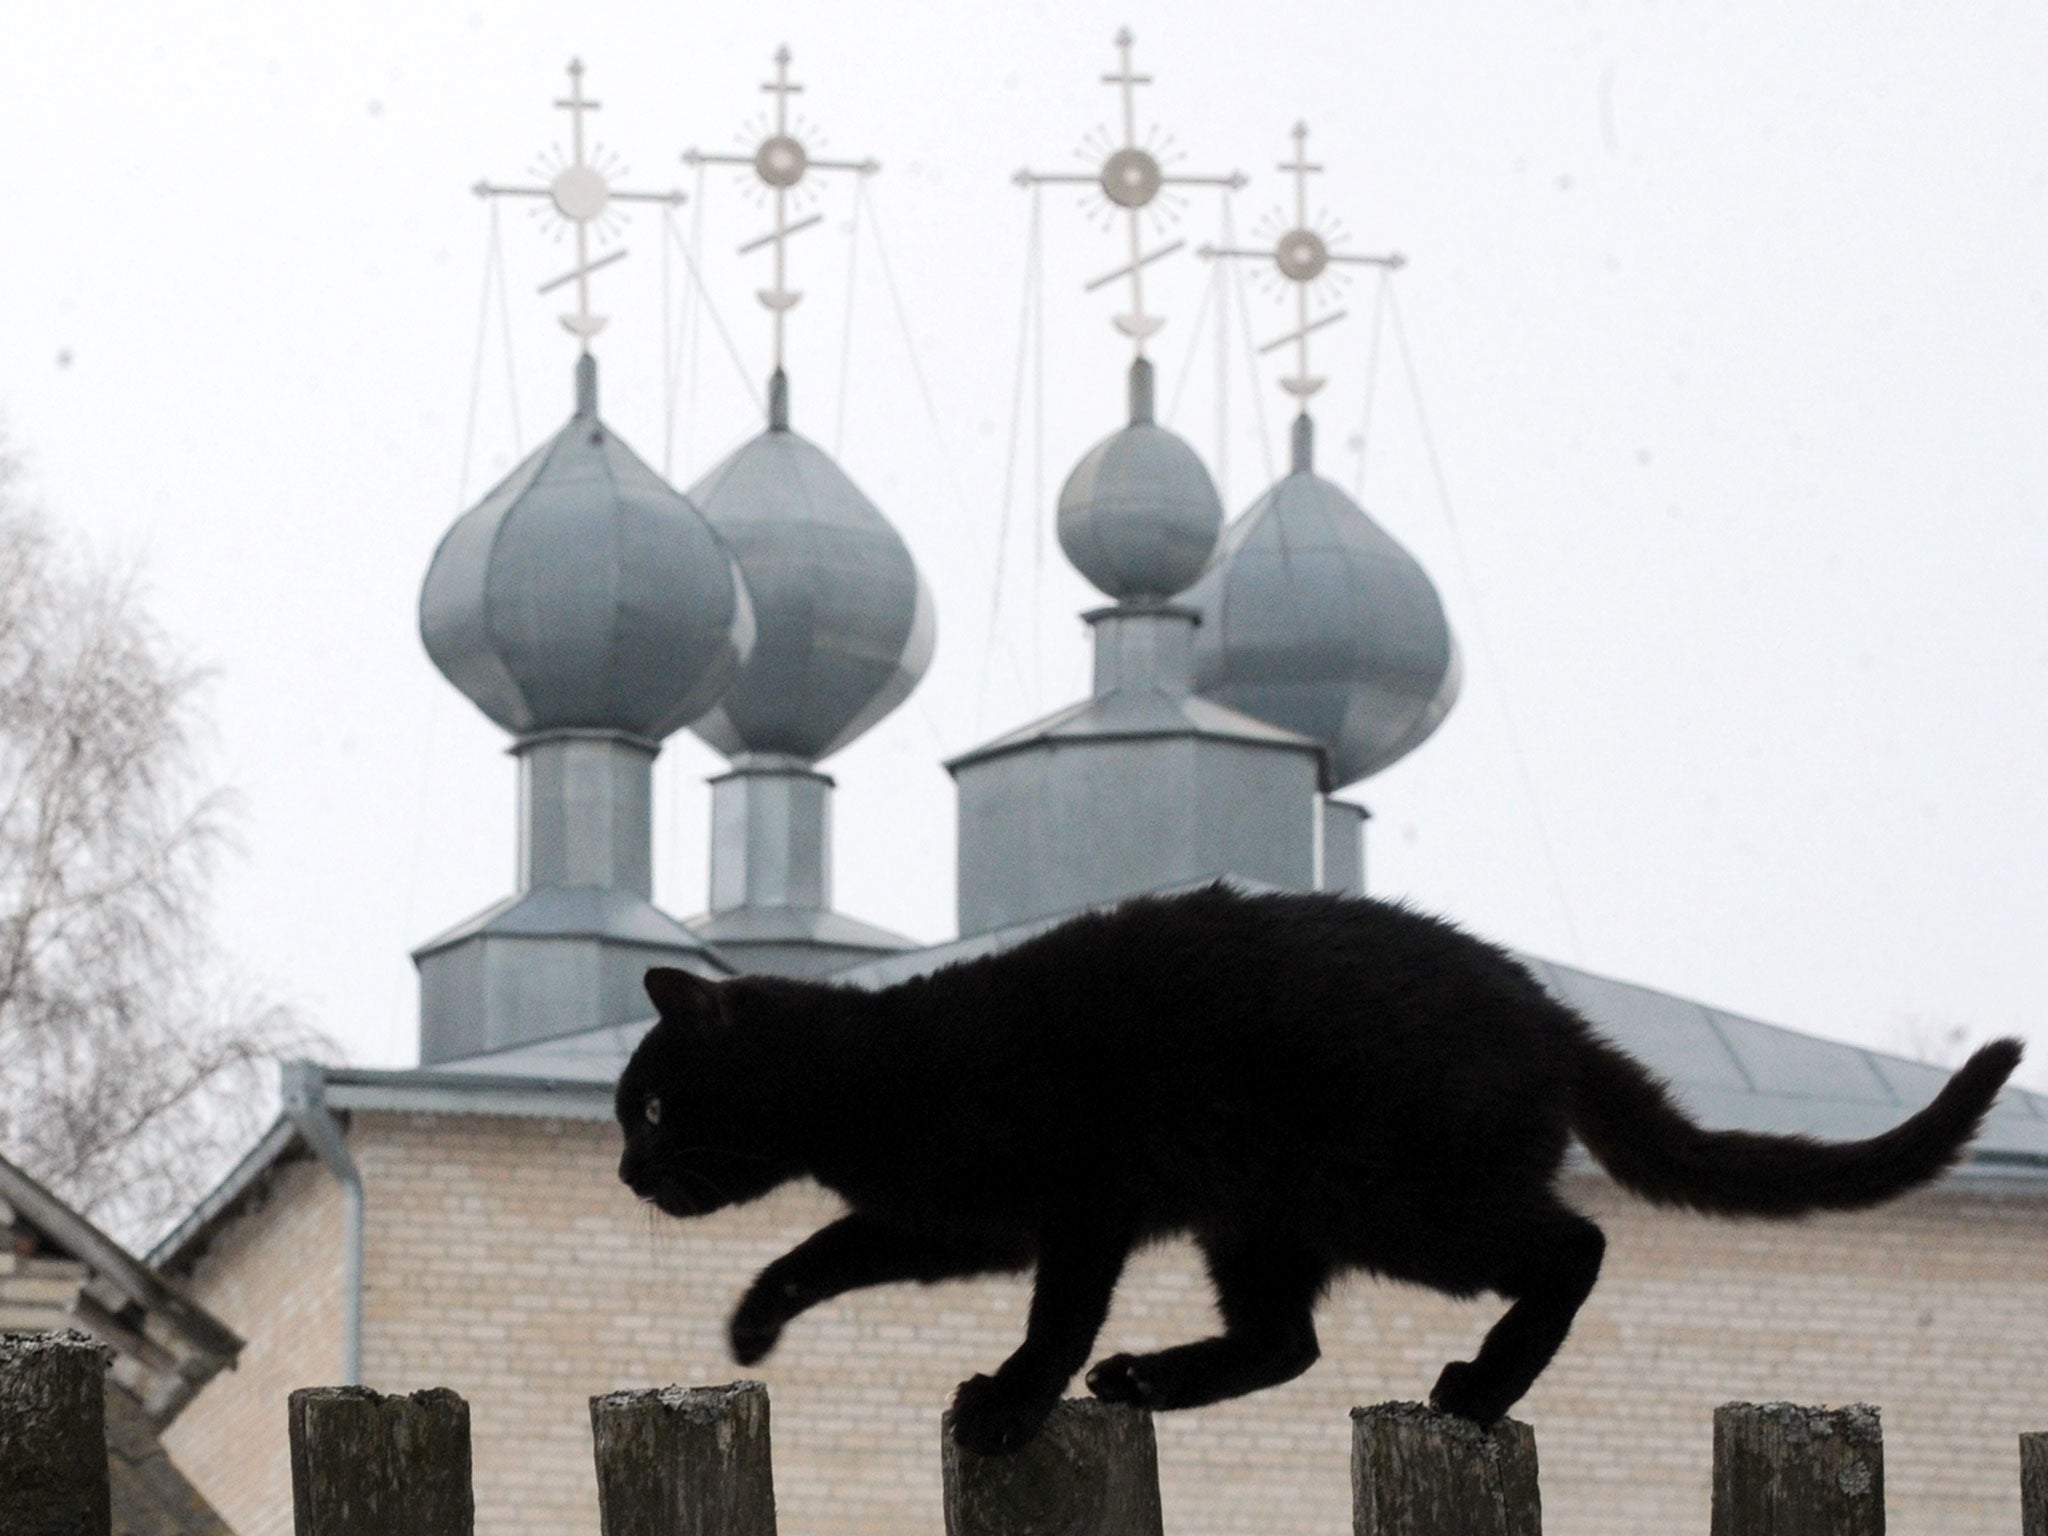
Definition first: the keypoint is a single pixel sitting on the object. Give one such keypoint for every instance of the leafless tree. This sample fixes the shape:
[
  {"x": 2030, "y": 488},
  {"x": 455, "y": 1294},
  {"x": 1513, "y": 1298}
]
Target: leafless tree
[{"x": 133, "y": 1063}]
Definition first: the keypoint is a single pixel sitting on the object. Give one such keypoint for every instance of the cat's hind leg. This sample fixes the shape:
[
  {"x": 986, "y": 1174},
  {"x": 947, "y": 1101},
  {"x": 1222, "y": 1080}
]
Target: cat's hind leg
[
  {"x": 1550, "y": 1260},
  {"x": 855, "y": 1251},
  {"x": 1267, "y": 1294}
]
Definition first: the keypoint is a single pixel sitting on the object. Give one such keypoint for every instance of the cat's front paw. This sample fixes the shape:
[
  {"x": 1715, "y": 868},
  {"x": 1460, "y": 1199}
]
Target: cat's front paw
[
  {"x": 991, "y": 1417},
  {"x": 1122, "y": 1379},
  {"x": 1462, "y": 1389}
]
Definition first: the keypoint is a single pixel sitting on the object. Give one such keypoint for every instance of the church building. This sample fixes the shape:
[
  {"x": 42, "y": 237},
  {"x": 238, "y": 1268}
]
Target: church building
[{"x": 460, "y": 1224}]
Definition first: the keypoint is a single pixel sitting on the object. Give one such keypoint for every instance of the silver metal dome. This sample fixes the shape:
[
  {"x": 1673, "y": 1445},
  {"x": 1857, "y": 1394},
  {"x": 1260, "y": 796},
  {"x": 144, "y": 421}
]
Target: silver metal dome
[
  {"x": 1139, "y": 515},
  {"x": 844, "y": 623},
  {"x": 584, "y": 593},
  {"x": 1316, "y": 620}
]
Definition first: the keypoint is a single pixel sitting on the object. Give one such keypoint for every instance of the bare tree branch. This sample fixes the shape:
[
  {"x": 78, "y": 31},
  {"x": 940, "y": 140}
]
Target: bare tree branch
[{"x": 133, "y": 1065}]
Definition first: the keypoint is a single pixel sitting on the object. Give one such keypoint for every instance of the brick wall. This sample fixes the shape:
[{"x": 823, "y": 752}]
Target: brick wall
[
  {"x": 506, "y": 1262},
  {"x": 274, "y": 1276}
]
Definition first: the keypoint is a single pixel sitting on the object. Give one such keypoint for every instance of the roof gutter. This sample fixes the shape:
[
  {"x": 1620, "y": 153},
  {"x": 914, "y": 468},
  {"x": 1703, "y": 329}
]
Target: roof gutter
[{"x": 305, "y": 1103}]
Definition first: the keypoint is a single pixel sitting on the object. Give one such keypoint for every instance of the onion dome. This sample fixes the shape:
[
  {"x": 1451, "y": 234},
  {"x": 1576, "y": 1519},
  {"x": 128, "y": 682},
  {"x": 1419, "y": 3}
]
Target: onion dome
[
  {"x": 844, "y": 623},
  {"x": 584, "y": 593},
  {"x": 1139, "y": 515},
  {"x": 1314, "y": 619}
]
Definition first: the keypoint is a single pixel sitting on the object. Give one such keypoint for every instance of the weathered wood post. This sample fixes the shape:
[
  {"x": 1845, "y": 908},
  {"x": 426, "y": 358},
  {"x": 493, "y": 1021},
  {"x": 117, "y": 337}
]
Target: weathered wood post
[
  {"x": 1784, "y": 1470},
  {"x": 684, "y": 1461},
  {"x": 1092, "y": 1471},
  {"x": 1418, "y": 1472},
  {"x": 53, "y": 1435},
  {"x": 2034, "y": 1485},
  {"x": 364, "y": 1464}
]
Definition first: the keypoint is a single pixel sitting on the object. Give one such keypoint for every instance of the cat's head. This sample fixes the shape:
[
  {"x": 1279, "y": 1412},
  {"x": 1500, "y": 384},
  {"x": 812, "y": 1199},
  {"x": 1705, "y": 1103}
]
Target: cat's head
[{"x": 703, "y": 1127}]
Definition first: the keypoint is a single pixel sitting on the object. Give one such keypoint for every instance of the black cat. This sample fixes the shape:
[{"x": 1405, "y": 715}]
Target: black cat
[{"x": 1303, "y": 1084}]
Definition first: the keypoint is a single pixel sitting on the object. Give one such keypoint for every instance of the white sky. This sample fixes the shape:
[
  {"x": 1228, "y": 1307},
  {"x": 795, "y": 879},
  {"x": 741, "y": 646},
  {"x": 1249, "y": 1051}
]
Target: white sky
[{"x": 1731, "y": 331}]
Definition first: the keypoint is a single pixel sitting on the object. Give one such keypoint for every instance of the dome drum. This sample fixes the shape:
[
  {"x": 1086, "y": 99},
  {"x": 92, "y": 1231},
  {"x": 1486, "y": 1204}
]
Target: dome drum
[
  {"x": 1055, "y": 826},
  {"x": 586, "y": 810}
]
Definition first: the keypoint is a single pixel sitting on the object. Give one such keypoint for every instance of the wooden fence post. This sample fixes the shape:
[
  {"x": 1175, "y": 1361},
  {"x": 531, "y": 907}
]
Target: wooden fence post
[
  {"x": 684, "y": 1461},
  {"x": 1784, "y": 1470},
  {"x": 53, "y": 1435},
  {"x": 2034, "y": 1485},
  {"x": 1092, "y": 1471},
  {"x": 364, "y": 1464},
  {"x": 1418, "y": 1472}
]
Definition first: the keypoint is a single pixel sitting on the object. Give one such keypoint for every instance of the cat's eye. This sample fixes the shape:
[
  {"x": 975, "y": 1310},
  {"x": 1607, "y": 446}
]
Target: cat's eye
[{"x": 653, "y": 1111}]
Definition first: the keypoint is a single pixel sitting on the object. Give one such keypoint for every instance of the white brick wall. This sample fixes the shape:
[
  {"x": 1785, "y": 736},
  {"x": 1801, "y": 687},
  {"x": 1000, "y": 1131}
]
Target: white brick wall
[
  {"x": 274, "y": 1276},
  {"x": 506, "y": 1262}
]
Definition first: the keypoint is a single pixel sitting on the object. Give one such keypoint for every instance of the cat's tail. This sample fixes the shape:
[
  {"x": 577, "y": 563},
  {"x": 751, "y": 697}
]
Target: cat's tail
[{"x": 1629, "y": 1122}]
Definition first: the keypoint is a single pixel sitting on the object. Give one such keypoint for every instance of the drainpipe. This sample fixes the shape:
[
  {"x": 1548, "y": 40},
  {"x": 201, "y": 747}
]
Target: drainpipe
[{"x": 305, "y": 1101}]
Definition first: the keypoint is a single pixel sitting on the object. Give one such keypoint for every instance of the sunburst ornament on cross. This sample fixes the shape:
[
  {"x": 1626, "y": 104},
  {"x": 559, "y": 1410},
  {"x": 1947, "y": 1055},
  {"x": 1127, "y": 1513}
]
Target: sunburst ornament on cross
[
  {"x": 1131, "y": 177},
  {"x": 580, "y": 194},
  {"x": 1303, "y": 256},
  {"x": 781, "y": 161}
]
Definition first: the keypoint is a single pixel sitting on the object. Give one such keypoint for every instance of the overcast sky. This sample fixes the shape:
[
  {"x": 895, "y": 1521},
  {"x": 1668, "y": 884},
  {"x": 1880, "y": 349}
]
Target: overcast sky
[{"x": 1730, "y": 331}]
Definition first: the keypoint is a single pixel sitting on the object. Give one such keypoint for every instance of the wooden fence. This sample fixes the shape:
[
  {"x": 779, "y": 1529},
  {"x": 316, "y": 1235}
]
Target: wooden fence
[{"x": 695, "y": 1462}]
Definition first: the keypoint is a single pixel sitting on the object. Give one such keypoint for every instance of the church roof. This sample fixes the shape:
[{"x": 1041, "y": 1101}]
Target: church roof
[
  {"x": 1730, "y": 1071},
  {"x": 1131, "y": 713}
]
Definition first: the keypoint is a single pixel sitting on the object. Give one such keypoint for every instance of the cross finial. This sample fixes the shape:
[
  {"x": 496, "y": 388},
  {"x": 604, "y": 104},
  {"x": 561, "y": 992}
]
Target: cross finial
[
  {"x": 1131, "y": 177},
  {"x": 1303, "y": 255},
  {"x": 581, "y": 193},
  {"x": 781, "y": 161}
]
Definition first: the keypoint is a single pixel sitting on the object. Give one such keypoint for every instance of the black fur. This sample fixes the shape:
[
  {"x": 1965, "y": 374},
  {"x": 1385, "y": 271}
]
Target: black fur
[{"x": 1303, "y": 1084}]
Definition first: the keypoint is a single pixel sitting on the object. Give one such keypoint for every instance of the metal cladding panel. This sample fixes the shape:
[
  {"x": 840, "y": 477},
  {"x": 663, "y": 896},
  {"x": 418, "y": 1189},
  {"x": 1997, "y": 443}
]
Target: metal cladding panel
[
  {"x": 454, "y": 621},
  {"x": 558, "y": 958},
  {"x": 845, "y": 625},
  {"x": 534, "y": 988},
  {"x": 1316, "y": 619},
  {"x": 1255, "y": 815},
  {"x": 771, "y": 839},
  {"x": 453, "y": 1018},
  {"x": 1341, "y": 828},
  {"x": 592, "y": 1055},
  {"x": 584, "y": 593},
  {"x": 586, "y": 812},
  {"x": 1028, "y": 827},
  {"x": 2017, "y": 1119},
  {"x": 803, "y": 961},
  {"x": 1673, "y": 1036},
  {"x": 1139, "y": 515},
  {"x": 796, "y": 925},
  {"x": 1782, "y": 1061},
  {"x": 1061, "y": 826},
  {"x": 499, "y": 990}
]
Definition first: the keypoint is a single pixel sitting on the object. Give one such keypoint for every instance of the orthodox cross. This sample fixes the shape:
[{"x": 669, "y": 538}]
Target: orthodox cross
[
  {"x": 581, "y": 193},
  {"x": 1303, "y": 255},
  {"x": 1131, "y": 176},
  {"x": 781, "y": 161}
]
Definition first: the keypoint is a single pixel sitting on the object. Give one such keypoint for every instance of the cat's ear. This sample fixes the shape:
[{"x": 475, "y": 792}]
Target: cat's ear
[{"x": 681, "y": 996}]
